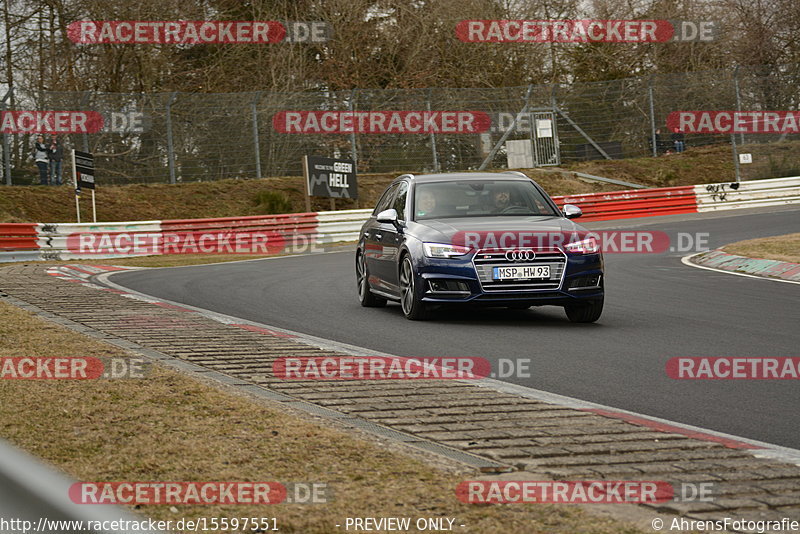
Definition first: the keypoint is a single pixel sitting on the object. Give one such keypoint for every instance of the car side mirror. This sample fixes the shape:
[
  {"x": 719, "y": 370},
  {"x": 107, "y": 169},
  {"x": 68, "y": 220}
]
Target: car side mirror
[
  {"x": 571, "y": 211},
  {"x": 389, "y": 217}
]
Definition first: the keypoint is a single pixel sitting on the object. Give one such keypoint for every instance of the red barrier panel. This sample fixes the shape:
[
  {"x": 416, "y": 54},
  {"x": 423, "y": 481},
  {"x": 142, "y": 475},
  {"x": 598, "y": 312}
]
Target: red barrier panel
[
  {"x": 286, "y": 225},
  {"x": 634, "y": 203},
  {"x": 18, "y": 236}
]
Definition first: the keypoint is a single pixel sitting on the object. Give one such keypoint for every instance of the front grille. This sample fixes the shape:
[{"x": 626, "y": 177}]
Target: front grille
[{"x": 486, "y": 260}]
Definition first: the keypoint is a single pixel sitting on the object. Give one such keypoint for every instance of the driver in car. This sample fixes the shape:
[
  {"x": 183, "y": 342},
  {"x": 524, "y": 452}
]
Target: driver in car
[{"x": 501, "y": 200}]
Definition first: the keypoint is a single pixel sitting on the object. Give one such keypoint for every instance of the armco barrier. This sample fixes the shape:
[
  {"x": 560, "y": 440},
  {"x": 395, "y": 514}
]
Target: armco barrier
[
  {"x": 630, "y": 204},
  {"x": 751, "y": 194},
  {"x": 16, "y": 236},
  {"x": 36, "y": 494},
  {"x": 52, "y": 239},
  {"x": 341, "y": 226},
  {"x": 289, "y": 224},
  {"x": 26, "y": 242}
]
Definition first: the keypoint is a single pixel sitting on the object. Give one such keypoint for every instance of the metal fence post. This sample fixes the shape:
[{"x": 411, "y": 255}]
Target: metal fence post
[
  {"x": 433, "y": 137},
  {"x": 735, "y": 157},
  {"x": 170, "y": 149},
  {"x": 353, "y": 146},
  {"x": 255, "y": 134},
  {"x": 738, "y": 97},
  {"x": 85, "y": 106},
  {"x": 653, "y": 140},
  {"x": 6, "y": 145},
  {"x": 532, "y": 127}
]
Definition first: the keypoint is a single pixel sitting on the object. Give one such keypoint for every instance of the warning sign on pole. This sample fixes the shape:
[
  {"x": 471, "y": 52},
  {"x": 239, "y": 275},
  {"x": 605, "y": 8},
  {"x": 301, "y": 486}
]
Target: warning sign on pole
[
  {"x": 83, "y": 165},
  {"x": 83, "y": 175}
]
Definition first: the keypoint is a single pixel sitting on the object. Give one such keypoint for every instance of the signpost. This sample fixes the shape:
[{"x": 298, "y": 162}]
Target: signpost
[
  {"x": 329, "y": 177},
  {"x": 83, "y": 177}
]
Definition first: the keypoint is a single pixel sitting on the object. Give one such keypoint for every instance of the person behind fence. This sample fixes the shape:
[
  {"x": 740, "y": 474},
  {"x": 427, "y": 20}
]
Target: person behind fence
[
  {"x": 55, "y": 153},
  {"x": 657, "y": 141},
  {"x": 679, "y": 140},
  {"x": 39, "y": 154}
]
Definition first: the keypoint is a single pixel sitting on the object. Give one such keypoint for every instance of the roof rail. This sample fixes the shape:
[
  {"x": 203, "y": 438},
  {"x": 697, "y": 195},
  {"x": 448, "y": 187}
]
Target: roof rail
[{"x": 517, "y": 173}]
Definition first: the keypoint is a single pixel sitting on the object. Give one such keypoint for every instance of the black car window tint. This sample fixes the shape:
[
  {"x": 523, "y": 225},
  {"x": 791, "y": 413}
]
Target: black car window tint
[
  {"x": 385, "y": 199},
  {"x": 477, "y": 199},
  {"x": 400, "y": 200}
]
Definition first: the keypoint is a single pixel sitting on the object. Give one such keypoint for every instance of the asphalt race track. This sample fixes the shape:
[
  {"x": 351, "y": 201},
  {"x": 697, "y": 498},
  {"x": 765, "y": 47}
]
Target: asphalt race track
[{"x": 656, "y": 308}]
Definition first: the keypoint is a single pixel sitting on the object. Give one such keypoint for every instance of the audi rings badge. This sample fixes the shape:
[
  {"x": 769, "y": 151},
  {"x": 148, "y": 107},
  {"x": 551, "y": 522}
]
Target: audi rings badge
[{"x": 520, "y": 255}]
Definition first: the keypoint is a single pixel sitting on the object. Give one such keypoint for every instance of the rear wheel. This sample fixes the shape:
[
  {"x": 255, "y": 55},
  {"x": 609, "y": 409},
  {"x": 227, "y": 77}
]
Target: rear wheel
[
  {"x": 587, "y": 312},
  {"x": 518, "y": 306},
  {"x": 365, "y": 296},
  {"x": 413, "y": 307}
]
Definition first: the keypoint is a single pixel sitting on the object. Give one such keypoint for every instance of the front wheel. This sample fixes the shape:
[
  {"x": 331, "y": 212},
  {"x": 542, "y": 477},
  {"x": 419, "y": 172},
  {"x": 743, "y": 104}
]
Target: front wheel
[
  {"x": 365, "y": 296},
  {"x": 585, "y": 312},
  {"x": 413, "y": 307}
]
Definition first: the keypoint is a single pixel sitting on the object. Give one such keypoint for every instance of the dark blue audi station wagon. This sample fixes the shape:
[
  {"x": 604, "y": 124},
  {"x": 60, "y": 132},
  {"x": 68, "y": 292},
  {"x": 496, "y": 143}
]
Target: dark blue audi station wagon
[{"x": 481, "y": 239}]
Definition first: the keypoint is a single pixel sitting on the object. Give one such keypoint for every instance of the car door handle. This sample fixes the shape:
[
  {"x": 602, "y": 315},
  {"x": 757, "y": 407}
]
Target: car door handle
[{"x": 378, "y": 236}]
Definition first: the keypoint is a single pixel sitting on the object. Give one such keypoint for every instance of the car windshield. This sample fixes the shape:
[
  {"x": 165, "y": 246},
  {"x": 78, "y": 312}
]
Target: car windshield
[{"x": 484, "y": 198}]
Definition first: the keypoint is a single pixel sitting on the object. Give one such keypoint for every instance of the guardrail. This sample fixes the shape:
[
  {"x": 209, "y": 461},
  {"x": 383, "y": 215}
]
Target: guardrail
[
  {"x": 37, "y": 497},
  {"x": 26, "y": 242},
  {"x": 630, "y": 204},
  {"x": 752, "y": 194},
  {"x": 15, "y": 236}
]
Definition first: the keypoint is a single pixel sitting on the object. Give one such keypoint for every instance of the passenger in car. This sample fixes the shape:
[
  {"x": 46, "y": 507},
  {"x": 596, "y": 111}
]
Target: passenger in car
[{"x": 426, "y": 203}]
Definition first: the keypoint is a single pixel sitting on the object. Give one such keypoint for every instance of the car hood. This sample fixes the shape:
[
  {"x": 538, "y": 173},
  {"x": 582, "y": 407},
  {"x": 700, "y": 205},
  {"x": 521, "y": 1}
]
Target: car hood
[{"x": 443, "y": 230}]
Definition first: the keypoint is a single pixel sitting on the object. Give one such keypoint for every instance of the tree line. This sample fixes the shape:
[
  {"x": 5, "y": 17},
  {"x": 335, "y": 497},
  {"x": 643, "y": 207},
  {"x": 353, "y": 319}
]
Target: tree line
[{"x": 379, "y": 44}]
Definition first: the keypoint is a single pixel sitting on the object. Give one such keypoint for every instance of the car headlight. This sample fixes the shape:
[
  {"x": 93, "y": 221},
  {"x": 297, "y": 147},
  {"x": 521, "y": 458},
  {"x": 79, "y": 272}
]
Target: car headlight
[
  {"x": 443, "y": 250},
  {"x": 586, "y": 246}
]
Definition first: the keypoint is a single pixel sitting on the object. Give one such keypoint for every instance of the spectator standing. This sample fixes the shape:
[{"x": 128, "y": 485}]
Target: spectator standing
[
  {"x": 55, "y": 153},
  {"x": 656, "y": 141},
  {"x": 40, "y": 156},
  {"x": 679, "y": 140}
]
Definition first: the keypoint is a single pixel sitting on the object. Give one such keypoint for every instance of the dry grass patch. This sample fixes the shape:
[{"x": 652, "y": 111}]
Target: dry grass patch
[{"x": 780, "y": 248}]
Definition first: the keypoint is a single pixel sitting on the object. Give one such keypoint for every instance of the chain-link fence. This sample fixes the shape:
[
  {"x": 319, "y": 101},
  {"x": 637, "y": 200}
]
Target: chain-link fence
[{"x": 179, "y": 137}]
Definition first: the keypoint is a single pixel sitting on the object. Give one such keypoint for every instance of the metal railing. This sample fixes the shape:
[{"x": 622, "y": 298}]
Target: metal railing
[{"x": 36, "y": 496}]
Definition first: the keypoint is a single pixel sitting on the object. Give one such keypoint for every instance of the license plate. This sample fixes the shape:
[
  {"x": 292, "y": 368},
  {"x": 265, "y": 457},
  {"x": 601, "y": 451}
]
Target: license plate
[{"x": 521, "y": 272}]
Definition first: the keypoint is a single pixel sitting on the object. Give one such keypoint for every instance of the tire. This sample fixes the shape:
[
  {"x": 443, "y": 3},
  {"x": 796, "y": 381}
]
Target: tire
[
  {"x": 585, "y": 313},
  {"x": 413, "y": 307},
  {"x": 518, "y": 306},
  {"x": 365, "y": 296}
]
